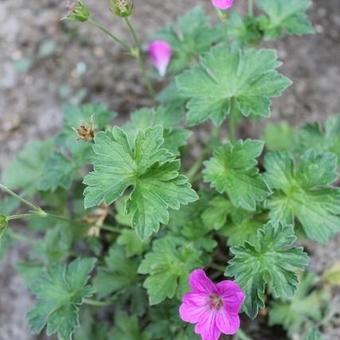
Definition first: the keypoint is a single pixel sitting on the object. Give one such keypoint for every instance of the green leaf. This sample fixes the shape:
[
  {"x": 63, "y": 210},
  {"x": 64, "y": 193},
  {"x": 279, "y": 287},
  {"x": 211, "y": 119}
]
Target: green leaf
[
  {"x": 64, "y": 164},
  {"x": 127, "y": 327},
  {"x": 305, "y": 309},
  {"x": 174, "y": 136},
  {"x": 191, "y": 36},
  {"x": 270, "y": 262},
  {"x": 332, "y": 274},
  {"x": 280, "y": 137},
  {"x": 322, "y": 138},
  {"x": 29, "y": 271},
  {"x": 188, "y": 223},
  {"x": 215, "y": 216},
  {"x": 118, "y": 274},
  {"x": 56, "y": 245},
  {"x": 147, "y": 168},
  {"x": 60, "y": 291},
  {"x": 313, "y": 334},
  {"x": 244, "y": 30},
  {"x": 97, "y": 114},
  {"x": 243, "y": 227},
  {"x": 285, "y": 16},
  {"x": 166, "y": 324},
  {"x": 25, "y": 171},
  {"x": 302, "y": 192},
  {"x": 233, "y": 170},
  {"x": 230, "y": 80},
  {"x": 168, "y": 266},
  {"x": 133, "y": 245}
]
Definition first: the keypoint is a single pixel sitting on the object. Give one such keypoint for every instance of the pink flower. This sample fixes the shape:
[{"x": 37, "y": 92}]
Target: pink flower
[
  {"x": 160, "y": 53},
  {"x": 214, "y": 308},
  {"x": 222, "y": 4}
]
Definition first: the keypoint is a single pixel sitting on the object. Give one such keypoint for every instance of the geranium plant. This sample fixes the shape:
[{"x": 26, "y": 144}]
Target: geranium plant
[{"x": 135, "y": 237}]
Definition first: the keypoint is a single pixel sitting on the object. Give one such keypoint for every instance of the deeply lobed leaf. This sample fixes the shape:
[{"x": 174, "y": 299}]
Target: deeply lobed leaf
[
  {"x": 303, "y": 192},
  {"x": 270, "y": 262},
  {"x": 191, "y": 36},
  {"x": 233, "y": 170},
  {"x": 231, "y": 81},
  {"x": 168, "y": 266},
  {"x": 286, "y": 16},
  {"x": 149, "y": 169},
  {"x": 60, "y": 291}
]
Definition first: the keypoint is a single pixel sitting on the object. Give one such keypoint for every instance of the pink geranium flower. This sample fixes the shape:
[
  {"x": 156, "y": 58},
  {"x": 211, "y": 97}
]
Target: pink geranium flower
[
  {"x": 214, "y": 308},
  {"x": 160, "y": 53},
  {"x": 222, "y": 4}
]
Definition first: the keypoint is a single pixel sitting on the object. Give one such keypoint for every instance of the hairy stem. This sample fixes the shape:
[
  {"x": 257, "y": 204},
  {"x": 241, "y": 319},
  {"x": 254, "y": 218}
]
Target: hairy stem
[
  {"x": 109, "y": 34},
  {"x": 36, "y": 209},
  {"x": 19, "y": 216},
  {"x": 137, "y": 53}
]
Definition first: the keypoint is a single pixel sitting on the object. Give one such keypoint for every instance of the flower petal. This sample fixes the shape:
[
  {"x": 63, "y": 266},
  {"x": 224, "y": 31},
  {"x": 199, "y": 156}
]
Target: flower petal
[
  {"x": 193, "y": 307},
  {"x": 227, "y": 323},
  {"x": 232, "y": 295},
  {"x": 207, "y": 327},
  {"x": 222, "y": 4},
  {"x": 199, "y": 282},
  {"x": 196, "y": 299}
]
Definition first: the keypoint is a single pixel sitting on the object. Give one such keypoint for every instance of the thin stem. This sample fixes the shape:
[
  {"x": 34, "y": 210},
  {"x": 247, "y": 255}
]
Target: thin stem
[
  {"x": 222, "y": 15},
  {"x": 217, "y": 267},
  {"x": 137, "y": 53},
  {"x": 107, "y": 32},
  {"x": 96, "y": 303},
  {"x": 20, "y": 216},
  {"x": 33, "y": 206},
  {"x": 110, "y": 228},
  {"x": 233, "y": 122},
  {"x": 250, "y": 8},
  {"x": 191, "y": 174}
]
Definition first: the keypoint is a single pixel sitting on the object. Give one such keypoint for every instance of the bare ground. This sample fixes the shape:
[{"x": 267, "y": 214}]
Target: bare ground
[{"x": 45, "y": 64}]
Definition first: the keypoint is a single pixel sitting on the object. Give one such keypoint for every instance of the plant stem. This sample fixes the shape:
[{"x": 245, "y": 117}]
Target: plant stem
[
  {"x": 96, "y": 303},
  {"x": 108, "y": 33},
  {"x": 137, "y": 53},
  {"x": 110, "y": 228},
  {"x": 232, "y": 122},
  {"x": 217, "y": 267},
  {"x": 33, "y": 206},
  {"x": 191, "y": 174},
  {"x": 250, "y": 8},
  {"x": 19, "y": 217},
  {"x": 222, "y": 15}
]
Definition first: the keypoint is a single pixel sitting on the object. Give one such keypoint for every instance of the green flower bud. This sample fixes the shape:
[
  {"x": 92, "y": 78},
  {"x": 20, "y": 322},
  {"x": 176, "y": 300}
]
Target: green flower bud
[
  {"x": 78, "y": 11},
  {"x": 122, "y": 8}
]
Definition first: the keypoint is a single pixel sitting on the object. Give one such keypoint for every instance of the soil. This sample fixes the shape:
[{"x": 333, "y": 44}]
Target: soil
[{"x": 45, "y": 63}]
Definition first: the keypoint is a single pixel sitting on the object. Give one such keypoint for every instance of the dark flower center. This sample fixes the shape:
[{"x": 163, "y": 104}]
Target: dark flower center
[{"x": 215, "y": 301}]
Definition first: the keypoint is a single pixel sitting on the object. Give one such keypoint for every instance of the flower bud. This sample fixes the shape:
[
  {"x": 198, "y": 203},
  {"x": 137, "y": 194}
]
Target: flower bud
[
  {"x": 160, "y": 53},
  {"x": 222, "y": 4},
  {"x": 78, "y": 11},
  {"x": 122, "y": 8}
]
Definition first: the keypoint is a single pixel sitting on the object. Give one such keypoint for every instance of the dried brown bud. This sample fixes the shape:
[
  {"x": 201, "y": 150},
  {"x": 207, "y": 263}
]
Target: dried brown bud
[{"x": 122, "y": 8}]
